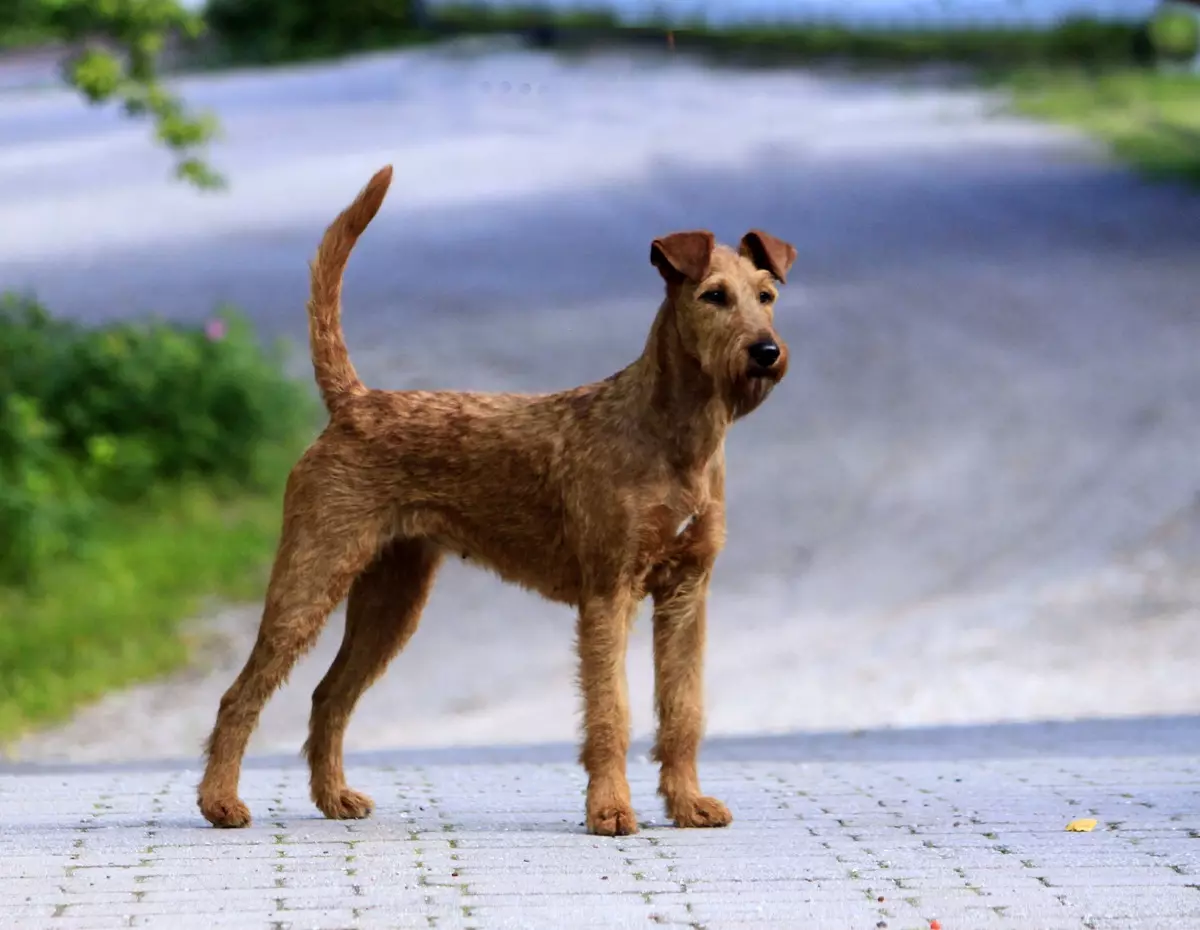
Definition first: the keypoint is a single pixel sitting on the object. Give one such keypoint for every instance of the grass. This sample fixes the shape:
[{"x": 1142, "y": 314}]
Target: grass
[
  {"x": 114, "y": 616},
  {"x": 1151, "y": 120}
]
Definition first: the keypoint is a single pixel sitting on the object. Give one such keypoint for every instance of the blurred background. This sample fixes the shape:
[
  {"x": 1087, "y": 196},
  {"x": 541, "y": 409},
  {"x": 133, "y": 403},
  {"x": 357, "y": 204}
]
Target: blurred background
[{"x": 975, "y": 498}]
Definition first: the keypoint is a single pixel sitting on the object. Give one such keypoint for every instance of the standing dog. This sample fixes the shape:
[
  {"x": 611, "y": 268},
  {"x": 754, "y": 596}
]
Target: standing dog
[{"x": 593, "y": 497}]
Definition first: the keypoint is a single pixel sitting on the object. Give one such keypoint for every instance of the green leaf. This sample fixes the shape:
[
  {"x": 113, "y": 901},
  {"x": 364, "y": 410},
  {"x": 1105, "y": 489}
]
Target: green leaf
[
  {"x": 121, "y": 64},
  {"x": 98, "y": 75}
]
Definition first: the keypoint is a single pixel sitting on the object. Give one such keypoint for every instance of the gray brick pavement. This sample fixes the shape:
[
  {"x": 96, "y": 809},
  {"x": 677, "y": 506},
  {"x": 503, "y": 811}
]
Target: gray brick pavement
[{"x": 893, "y": 839}]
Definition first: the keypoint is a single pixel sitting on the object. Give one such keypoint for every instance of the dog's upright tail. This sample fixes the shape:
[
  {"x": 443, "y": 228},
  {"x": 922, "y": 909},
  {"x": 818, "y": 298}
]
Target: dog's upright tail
[{"x": 334, "y": 371}]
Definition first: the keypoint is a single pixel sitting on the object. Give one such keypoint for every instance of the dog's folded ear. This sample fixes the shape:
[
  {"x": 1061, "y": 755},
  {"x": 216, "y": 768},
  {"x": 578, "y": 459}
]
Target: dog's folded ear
[
  {"x": 768, "y": 253},
  {"x": 683, "y": 254}
]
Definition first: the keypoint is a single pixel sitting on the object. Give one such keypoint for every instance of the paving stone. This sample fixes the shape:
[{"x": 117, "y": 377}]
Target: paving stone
[{"x": 1009, "y": 865}]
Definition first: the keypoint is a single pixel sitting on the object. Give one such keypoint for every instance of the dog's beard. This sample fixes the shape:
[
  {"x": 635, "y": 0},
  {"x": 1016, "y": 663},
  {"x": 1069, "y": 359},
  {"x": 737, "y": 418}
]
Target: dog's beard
[{"x": 749, "y": 392}]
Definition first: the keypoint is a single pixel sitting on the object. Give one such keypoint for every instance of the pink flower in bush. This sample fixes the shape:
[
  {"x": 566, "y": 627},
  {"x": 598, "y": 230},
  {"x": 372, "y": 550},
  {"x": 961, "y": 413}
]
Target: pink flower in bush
[{"x": 215, "y": 330}]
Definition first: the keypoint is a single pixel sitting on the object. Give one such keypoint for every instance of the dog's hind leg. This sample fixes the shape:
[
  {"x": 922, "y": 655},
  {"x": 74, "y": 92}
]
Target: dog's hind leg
[
  {"x": 314, "y": 567},
  {"x": 382, "y": 613},
  {"x": 679, "y": 634}
]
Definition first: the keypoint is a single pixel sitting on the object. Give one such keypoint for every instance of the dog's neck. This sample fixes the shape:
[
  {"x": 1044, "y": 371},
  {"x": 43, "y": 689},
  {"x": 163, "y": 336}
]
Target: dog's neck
[{"x": 674, "y": 398}]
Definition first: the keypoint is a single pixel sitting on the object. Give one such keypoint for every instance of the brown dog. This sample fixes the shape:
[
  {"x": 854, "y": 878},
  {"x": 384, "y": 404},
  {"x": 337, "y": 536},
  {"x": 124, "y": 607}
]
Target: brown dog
[{"x": 592, "y": 497}]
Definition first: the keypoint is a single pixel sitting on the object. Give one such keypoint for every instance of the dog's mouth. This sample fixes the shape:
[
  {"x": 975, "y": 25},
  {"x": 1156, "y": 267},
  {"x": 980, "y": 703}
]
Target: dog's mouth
[{"x": 770, "y": 373}]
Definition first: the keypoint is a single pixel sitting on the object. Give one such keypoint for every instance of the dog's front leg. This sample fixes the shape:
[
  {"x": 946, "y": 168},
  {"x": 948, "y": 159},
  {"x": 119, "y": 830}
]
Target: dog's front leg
[
  {"x": 679, "y": 631},
  {"x": 603, "y": 634}
]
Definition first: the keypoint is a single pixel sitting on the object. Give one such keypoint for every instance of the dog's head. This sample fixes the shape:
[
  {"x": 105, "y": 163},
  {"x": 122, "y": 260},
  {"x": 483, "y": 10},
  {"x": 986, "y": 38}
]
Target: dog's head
[{"x": 724, "y": 303}]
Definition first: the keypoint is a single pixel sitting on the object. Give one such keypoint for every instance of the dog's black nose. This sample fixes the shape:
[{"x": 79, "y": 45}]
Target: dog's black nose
[{"x": 765, "y": 353}]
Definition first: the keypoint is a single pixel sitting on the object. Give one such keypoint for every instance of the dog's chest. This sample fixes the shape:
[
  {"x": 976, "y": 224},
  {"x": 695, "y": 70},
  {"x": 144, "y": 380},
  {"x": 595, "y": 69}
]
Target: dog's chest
[
  {"x": 668, "y": 528},
  {"x": 684, "y": 525}
]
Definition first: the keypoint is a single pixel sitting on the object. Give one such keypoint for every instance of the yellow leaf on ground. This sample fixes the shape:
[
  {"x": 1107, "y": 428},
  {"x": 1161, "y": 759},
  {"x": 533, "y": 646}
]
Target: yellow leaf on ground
[{"x": 1085, "y": 825}]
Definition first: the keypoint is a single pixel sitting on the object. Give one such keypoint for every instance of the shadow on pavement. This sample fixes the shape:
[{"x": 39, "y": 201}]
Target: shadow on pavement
[
  {"x": 914, "y": 216},
  {"x": 1097, "y": 738}
]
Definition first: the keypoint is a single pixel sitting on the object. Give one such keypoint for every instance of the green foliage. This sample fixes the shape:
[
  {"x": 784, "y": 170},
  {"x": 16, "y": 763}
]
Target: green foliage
[
  {"x": 1175, "y": 33},
  {"x": 43, "y": 508},
  {"x": 119, "y": 44},
  {"x": 281, "y": 30},
  {"x": 1075, "y": 41},
  {"x": 95, "y": 417},
  {"x": 141, "y": 465},
  {"x": 482, "y": 17},
  {"x": 286, "y": 30},
  {"x": 22, "y": 22}
]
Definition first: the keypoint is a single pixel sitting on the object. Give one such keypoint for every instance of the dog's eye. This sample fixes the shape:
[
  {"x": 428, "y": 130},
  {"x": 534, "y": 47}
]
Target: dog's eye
[
  {"x": 765, "y": 297},
  {"x": 716, "y": 296}
]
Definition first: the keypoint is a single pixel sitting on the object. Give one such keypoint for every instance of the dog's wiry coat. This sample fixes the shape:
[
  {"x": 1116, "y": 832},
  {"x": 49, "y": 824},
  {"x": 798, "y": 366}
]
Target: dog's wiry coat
[{"x": 594, "y": 497}]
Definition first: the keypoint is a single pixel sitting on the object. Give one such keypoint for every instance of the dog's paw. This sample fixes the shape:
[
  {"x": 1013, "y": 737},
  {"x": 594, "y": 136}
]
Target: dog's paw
[
  {"x": 612, "y": 820},
  {"x": 225, "y": 812},
  {"x": 346, "y": 804},
  {"x": 700, "y": 812}
]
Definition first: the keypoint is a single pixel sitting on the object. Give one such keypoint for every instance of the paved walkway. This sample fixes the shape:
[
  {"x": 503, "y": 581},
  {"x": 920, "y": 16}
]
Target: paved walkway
[{"x": 965, "y": 827}]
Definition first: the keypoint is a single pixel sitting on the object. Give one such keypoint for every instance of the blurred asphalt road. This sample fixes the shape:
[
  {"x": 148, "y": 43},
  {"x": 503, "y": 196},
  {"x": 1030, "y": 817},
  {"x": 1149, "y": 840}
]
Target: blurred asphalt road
[{"x": 975, "y": 498}]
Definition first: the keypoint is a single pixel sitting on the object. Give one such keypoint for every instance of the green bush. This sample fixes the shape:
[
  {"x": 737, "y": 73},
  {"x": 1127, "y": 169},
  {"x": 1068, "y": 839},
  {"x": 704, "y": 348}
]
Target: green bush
[
  {"x": 284, "y": 30},
  {"x": 91, "y": 417},
  {"x": 1084, "y": 41},
  {"x": 23, "y": 22},
  {"x": 1076, "y": 41},
  {"x": 1175, "y": 34},
  {"x": 483, "y": 18},
  {"x": 44, "y": 509}
]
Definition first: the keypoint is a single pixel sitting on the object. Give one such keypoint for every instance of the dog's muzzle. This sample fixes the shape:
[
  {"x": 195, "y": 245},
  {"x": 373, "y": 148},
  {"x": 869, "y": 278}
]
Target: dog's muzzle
[{"x": 763, "y": 356}]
